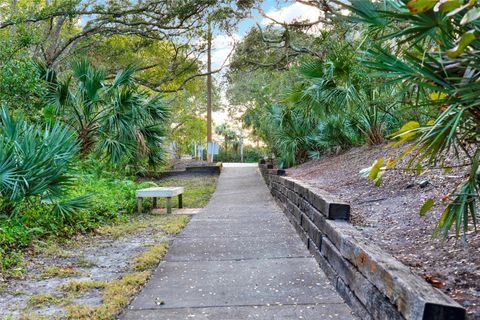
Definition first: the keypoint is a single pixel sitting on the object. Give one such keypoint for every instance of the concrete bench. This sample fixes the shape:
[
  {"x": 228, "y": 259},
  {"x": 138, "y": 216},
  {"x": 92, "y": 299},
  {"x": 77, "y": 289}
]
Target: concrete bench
[{"x": 159, "y": 192}]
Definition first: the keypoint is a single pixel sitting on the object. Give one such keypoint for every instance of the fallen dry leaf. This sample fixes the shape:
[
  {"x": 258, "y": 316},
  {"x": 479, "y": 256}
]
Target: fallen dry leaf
[{"x": 434, "y": 282}]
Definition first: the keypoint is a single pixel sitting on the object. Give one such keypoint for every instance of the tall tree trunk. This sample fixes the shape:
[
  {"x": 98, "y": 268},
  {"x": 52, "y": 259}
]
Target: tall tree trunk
[{"x": 209, "y": 89}]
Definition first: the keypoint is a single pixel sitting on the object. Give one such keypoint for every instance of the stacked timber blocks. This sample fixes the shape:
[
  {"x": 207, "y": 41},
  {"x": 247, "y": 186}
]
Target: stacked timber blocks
[{"x": 370, "y": 280}]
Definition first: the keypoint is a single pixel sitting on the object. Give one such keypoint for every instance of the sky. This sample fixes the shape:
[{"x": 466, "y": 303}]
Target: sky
[{"x": 285, "y": 11}]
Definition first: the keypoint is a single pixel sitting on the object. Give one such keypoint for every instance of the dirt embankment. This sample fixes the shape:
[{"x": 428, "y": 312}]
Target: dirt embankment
[{"x": 389, "y": 216}]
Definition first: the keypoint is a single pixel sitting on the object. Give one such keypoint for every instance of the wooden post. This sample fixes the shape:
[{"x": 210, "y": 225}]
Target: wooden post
[
  {"x": 139, "y": 205},
  {"x": 209, "y": 88},
  {"x": 169, "y": 205},
  {"x": 154, "y": 202},
  {"x": 180, "y": 202}
]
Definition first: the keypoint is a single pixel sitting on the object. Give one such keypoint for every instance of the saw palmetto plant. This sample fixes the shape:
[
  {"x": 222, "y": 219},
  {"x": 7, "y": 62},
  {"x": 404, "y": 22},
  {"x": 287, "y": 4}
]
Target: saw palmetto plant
[
  {"x": 112, "y": 118},
  {"x": 34, "y": 165},
  {"x": 432, "y": 49}
]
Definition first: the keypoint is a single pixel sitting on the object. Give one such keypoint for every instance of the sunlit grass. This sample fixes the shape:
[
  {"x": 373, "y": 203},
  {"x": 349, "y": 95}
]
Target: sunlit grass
[
  {"x": 163, "y": 223},
  {"x": 150, "y": 258},
  {"x": 61, "y": 272},
  {"x": 198, "y": 189},
  {"x": 43, "y": 300},
  {"x": 116, "y": 295}
]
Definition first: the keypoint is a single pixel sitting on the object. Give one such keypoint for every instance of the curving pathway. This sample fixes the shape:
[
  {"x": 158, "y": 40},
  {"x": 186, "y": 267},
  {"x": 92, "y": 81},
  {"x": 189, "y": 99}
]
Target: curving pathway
[{"x": 239, "y": 258}]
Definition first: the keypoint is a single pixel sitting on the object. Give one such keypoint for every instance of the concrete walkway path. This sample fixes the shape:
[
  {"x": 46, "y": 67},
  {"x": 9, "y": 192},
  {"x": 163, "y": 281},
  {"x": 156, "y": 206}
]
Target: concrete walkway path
[{"x": 239, "y": 258}]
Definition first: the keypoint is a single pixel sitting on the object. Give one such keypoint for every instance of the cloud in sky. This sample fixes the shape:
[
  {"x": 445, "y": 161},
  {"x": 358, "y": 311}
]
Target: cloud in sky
[
  {"x": 295, "y": 11},
  {"x": 222, "y": 45}
]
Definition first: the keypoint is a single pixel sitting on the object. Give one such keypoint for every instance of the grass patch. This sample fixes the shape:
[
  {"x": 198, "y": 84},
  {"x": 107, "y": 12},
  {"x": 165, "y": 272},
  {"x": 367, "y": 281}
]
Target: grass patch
[
  {"x": 62, "y": 272},
  {"x": 76, "y": 287},
  {"x": 84, "y": 263},
  {"x": 43, "y": 300},
  {"x": 33, "y": 316},
  {"x": 172, "y": 225},
  {"x": 117, "y": 230},
  {"x": 167, "y": 224},
  {"x": 198, "y": 189},
  {"x": 18, "y": 292},
  {"x": 51, "y": 248},
  {"x": 150, "y": 258},
  {"x": 116, "y": 296}
]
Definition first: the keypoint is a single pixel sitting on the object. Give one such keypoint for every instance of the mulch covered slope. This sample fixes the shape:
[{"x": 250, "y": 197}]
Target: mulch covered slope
[{"x": 389, "y": 216}]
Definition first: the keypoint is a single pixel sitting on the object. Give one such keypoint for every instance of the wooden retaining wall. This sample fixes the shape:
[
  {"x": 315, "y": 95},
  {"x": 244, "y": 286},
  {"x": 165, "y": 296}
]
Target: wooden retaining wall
[{"x": 370, "y": 280}]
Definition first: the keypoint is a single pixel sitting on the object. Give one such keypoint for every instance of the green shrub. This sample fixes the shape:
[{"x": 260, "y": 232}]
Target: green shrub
[
  {"x": 21, "y": 87},
  {"x": 333, "y": 134},
  {"x": 110, "y": 197},
  {"x": 10, "y": 259},
  {"x": 15, "y": 234}
]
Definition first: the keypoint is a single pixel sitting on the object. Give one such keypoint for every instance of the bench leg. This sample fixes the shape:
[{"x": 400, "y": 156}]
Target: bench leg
[
  {"x": 169, "y": 205},
  {"x": 154, "y": 202},
  {"x": 139, "y": 205},
  {"x": 180, "y": 202}
]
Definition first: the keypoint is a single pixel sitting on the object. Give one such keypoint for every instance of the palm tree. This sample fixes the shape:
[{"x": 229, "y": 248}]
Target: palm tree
[
  {"x": 114, "y": 119},
  {"x": 229, "y": 135}
]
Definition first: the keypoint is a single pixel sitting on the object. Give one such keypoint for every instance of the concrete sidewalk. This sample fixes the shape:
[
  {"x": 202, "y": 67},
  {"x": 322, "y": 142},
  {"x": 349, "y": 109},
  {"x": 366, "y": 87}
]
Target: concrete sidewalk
[{"x": 239, "y": 258}]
